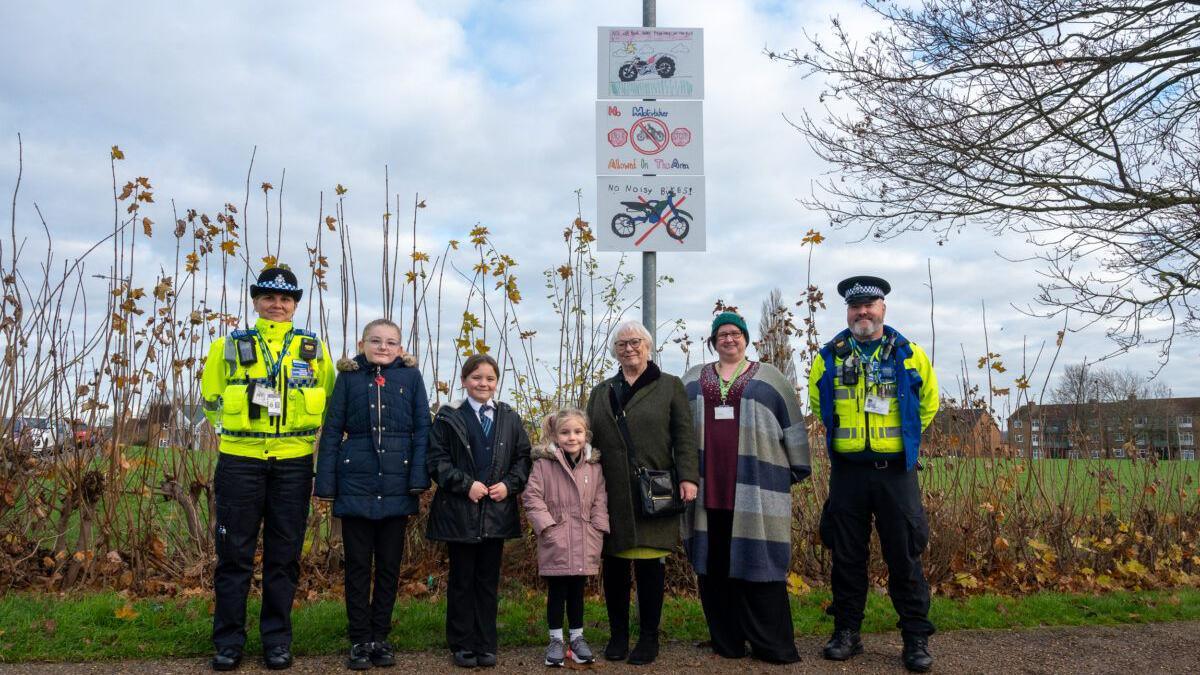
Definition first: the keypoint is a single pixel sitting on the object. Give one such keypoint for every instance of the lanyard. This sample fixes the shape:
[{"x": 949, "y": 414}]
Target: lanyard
[
  {"x": 273, "y": 366},
  {"x": 725, "y": 385},
  {"x": 864, "y": 357}
]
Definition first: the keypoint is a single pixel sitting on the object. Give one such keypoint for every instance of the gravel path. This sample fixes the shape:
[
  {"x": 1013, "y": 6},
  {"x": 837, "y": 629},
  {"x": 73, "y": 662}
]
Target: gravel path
[{"x": 1145, "y": 648}]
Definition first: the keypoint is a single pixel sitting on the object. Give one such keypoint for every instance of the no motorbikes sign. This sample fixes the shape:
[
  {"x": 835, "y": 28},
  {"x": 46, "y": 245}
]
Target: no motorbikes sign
[{"x": 649, "y": 137}]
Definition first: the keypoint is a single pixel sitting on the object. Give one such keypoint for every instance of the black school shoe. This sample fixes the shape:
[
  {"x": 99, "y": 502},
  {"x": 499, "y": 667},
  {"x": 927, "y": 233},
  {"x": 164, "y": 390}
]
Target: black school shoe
[
  {"x": 360, "y": 656},
  {"x": 278, "y": 658},
  {"x": 226, "y": 658},
  {"x": 464, "y": 658},
  {"x": 382, "y": 655},
  {"x": 485, "y": 659}
]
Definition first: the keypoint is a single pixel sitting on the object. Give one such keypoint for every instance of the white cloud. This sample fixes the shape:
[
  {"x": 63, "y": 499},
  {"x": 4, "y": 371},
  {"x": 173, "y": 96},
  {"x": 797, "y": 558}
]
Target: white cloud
[{"x": 486, "y": 110}]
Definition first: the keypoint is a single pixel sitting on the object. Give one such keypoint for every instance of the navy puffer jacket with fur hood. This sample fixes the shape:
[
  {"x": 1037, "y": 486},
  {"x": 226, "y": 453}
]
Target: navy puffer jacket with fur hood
[{"x": 371, "y": 458}]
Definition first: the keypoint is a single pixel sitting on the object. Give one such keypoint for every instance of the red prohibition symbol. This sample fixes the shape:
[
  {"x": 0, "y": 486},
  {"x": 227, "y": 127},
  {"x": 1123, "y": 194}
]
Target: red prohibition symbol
[{"x": 649, "y": 136}]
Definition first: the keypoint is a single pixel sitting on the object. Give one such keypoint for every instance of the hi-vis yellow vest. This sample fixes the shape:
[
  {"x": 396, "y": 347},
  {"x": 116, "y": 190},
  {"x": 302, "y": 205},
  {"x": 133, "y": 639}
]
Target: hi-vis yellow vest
[
  {"x": 842, "y": 407},
  {"x": 303, "y": 384}
]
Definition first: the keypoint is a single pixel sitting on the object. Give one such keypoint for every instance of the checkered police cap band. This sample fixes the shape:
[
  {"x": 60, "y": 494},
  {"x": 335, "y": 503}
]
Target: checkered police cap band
[
  {"x": 279, "y": 283},
  {"x": 860, "y": 290}
]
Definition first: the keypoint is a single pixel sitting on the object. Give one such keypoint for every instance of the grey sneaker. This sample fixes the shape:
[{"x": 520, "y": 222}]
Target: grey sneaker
[
  {"x": 556, "y": 653},
  {"x": 581, "y": 652}
]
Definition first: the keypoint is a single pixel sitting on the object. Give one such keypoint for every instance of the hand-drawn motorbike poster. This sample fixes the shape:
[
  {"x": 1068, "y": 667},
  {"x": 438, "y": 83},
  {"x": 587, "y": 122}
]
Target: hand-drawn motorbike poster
[
  {"x": 650, "y": 63},
  {"x": 649, "y": 137},
  {"x": 650, "y": 213}
]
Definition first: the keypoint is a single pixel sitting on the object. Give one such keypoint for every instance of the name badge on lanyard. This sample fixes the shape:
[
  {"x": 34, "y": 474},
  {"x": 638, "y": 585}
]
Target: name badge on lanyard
[
  {"x": 723, "y": 412},
  {"x": 270, "y": 399},
  {"x": 877, "y": 404}
]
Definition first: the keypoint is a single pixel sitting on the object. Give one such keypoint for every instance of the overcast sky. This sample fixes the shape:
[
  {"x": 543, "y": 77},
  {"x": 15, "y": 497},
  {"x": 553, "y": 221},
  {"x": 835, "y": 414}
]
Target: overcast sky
[{"x": 487, "y": 110}]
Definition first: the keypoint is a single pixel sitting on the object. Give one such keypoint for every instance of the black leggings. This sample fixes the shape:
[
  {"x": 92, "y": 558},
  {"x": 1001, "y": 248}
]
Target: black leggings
[{"x": 570, "y": 591}]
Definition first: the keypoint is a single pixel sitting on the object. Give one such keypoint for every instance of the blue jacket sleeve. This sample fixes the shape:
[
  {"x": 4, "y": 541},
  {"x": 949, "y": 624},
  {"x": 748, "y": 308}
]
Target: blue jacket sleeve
[
  {"x": 331, "y": 440},
  {"x": 418, "y": 474}
]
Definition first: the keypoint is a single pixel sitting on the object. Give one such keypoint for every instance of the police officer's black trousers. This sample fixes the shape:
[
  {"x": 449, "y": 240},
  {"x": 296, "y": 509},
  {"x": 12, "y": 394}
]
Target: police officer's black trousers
[
  {"x": 252, "y": 492},
  {"x": 858, "y": 492},
  {"x": 739, "y": 611},
  {"x": 472, "y": 595},
  {"x": 369, "y": 610}
]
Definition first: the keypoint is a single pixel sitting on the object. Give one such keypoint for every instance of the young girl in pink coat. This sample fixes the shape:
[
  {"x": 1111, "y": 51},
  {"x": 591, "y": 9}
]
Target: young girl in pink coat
[{"x": 567, "y": 505}]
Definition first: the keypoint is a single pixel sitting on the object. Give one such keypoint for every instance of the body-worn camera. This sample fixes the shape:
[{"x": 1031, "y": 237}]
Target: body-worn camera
[
  {"x": 850, "y": 371},
  {"x": 245, "y": 351}
]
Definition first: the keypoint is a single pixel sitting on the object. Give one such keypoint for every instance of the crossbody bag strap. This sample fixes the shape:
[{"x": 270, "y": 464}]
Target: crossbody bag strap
[{"x": 623, "y": 426}]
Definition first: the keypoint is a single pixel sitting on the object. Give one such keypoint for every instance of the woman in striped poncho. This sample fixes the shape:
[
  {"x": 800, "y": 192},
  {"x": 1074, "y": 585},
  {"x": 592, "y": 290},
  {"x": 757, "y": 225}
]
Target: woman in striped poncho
[{"x": 737, "y": 533}]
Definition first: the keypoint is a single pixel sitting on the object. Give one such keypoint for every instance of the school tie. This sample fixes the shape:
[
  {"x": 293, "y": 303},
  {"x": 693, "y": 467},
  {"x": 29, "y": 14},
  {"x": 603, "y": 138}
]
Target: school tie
[{"x": 484, "y": 420}]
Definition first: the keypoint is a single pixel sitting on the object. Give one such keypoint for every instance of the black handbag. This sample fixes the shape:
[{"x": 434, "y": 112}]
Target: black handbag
[{"x": 657, "y": 490}]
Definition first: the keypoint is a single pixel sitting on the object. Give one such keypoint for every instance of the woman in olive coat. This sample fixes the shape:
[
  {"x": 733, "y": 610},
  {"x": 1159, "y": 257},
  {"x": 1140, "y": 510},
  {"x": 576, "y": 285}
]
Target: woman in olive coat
[{"x": 660, "y": 426}]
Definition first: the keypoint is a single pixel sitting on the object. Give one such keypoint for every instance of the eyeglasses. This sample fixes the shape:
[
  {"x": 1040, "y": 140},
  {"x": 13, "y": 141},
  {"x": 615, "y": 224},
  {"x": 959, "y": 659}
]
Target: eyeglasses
[
  {"x": 635, "y": 343},
  {"x": 732, "y": 335},
  {"x": 380, "y": 342}
]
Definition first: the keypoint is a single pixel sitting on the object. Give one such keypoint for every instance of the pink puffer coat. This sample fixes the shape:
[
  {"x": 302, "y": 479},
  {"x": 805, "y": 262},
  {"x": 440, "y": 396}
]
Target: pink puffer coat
[{"x": 568, "y": 509}]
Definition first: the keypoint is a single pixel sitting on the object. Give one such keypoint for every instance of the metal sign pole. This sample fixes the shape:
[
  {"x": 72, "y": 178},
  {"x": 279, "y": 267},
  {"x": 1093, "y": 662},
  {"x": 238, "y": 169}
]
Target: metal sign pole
[{"x": 649, "y": 261}]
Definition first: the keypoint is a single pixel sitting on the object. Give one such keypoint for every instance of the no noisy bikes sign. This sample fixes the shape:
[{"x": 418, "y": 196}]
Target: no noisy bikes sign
[
  {"x": 649, "y": 137},
  {"x": 650, "y": 213}
]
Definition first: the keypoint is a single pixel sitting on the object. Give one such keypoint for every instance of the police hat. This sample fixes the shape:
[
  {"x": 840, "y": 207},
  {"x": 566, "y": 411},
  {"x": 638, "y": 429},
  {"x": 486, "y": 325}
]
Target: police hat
[
  {"x": 863, "y": 289},
  {"x": 276, "y": 280}
]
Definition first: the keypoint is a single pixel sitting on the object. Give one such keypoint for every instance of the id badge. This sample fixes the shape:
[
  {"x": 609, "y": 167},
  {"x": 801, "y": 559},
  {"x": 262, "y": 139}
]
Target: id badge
[
  {"x": 723, "y": 412},
  {"x": 269, "y": 399},
  {"x": 877, "y": 404}
]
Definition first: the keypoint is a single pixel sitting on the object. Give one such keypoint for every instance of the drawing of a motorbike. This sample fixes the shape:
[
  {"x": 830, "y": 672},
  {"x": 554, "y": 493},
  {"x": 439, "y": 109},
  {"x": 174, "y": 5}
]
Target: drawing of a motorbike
[
  {"x": 678, "y": 223},
  {"x": 662, "y": 64}
]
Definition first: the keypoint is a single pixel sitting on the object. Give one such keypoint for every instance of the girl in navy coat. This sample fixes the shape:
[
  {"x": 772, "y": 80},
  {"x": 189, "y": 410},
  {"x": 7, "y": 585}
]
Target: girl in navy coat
[{"x": 371, "y": 463}]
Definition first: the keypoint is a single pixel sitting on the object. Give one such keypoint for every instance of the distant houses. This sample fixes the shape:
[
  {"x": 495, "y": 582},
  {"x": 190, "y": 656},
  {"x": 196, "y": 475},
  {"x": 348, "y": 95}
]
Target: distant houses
[
  {"x": 964, "y": 432},
  {"x": 1133, "y": 427}
]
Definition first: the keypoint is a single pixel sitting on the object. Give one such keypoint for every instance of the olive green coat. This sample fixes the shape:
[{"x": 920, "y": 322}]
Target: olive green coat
[{"x": 660, "y": 423}]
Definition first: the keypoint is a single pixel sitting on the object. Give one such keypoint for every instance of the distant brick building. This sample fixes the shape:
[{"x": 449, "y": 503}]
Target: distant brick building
[
  {"x": 964, "y": 432},
  {"x": 1163, "y": 427}
]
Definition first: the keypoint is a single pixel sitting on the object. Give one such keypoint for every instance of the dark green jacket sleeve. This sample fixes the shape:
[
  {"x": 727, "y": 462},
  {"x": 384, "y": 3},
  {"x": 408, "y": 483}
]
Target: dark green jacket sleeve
[{"x": 683, "y": 436}]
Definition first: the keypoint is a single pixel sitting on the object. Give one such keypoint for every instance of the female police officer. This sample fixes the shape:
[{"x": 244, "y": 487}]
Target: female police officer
[{"x": 264, "y": 391}]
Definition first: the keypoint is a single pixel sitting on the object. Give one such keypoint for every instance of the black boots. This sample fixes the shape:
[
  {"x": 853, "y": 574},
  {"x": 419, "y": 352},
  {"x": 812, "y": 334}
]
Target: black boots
[
  {"x": 916, "y": 656},
  {"x": 646, "y": 649},
  {"x": 842, "y": 645}
]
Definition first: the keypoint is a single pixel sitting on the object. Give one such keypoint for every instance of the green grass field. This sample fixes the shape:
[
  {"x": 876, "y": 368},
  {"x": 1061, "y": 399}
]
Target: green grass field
[
  {"x": 106, "y": 626},
  {"x": 1122, "y": 484}
]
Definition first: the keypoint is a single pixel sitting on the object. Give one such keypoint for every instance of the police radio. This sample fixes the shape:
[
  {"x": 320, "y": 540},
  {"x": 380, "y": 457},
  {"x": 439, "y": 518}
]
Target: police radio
[
  {"x": 843, "y": 350},
  {"x": 308, "y": 349},
  {"x": 888, "y": 345}
]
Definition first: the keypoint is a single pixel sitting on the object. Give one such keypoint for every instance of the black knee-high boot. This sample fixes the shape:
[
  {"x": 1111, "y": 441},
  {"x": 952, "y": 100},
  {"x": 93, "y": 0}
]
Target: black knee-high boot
[
  {"x": 651, "y": 580},
  {"x": 617, "y": 575}
]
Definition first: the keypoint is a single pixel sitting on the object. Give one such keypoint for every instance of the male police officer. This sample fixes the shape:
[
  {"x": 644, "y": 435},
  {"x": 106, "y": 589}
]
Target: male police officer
[
  {"x": 875, "y": 392},
  {"x": 264, "y": 391}
]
